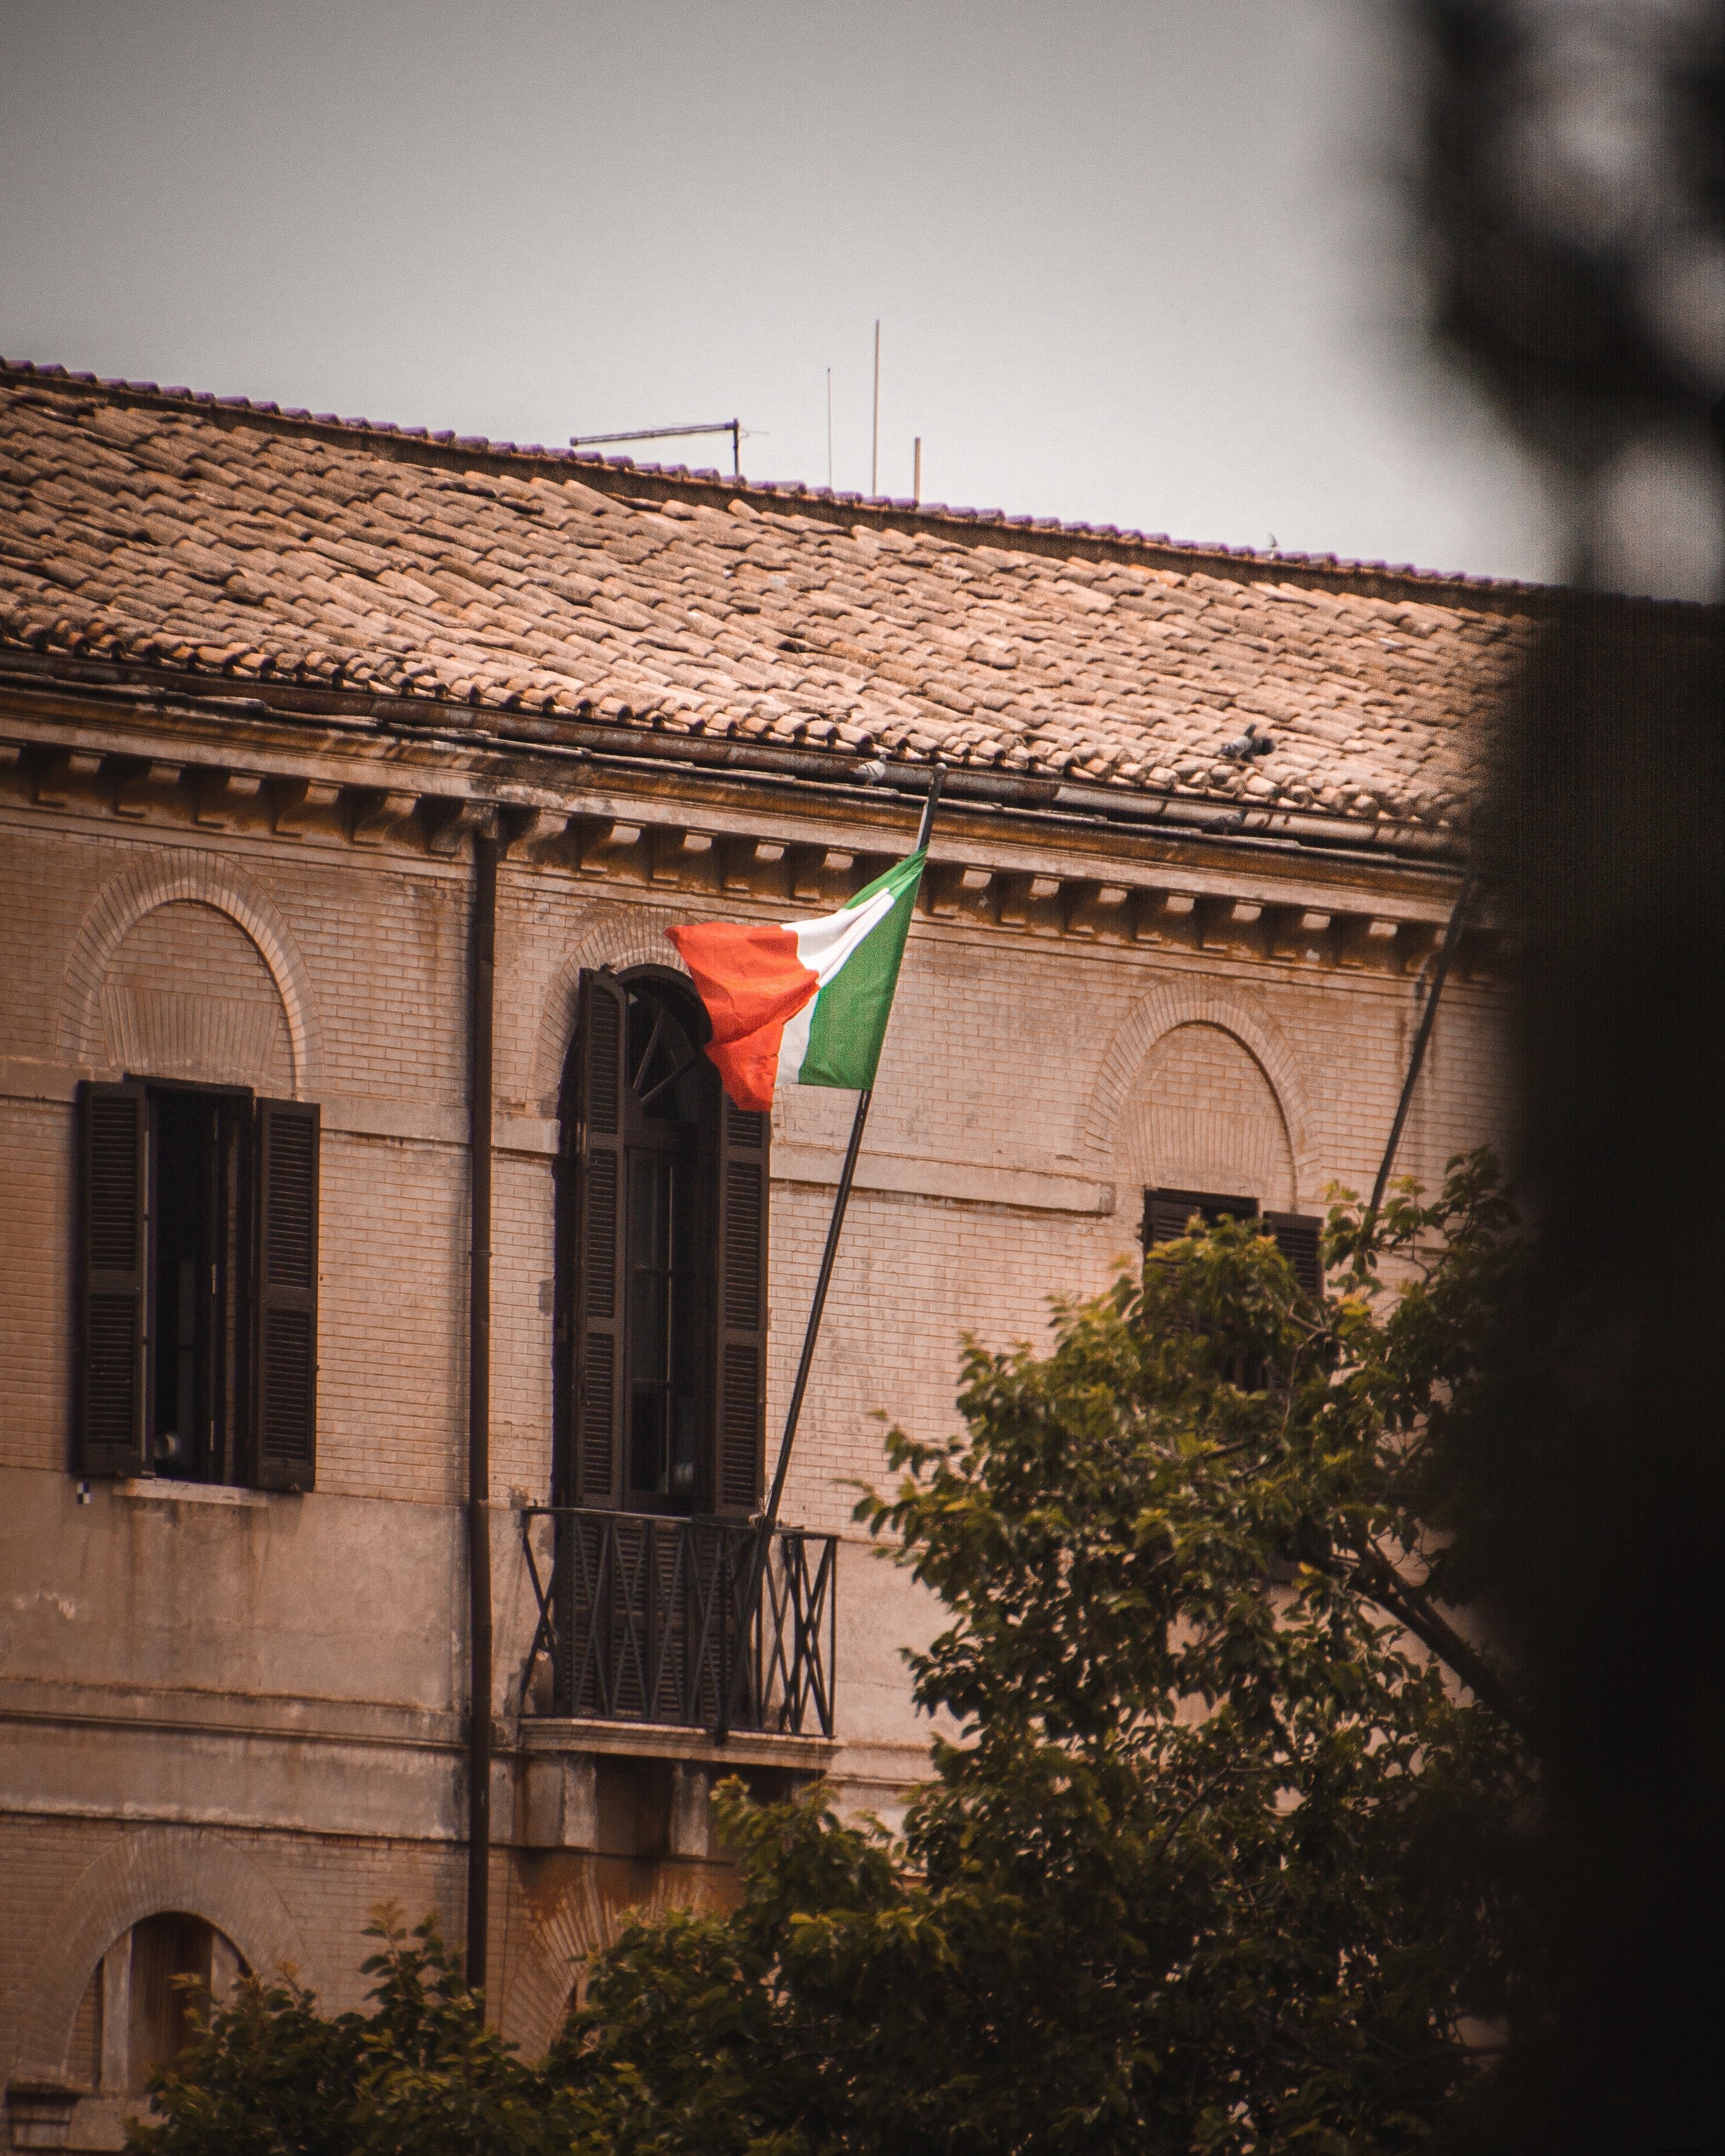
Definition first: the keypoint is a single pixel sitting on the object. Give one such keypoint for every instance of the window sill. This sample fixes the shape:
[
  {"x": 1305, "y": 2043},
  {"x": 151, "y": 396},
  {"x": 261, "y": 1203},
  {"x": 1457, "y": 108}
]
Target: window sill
[{"x": 164, "y": 1490}]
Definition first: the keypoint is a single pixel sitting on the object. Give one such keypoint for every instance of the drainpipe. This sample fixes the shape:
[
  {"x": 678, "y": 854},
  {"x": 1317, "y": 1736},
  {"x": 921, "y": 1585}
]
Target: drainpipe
[{"x": 486, "y": 851}]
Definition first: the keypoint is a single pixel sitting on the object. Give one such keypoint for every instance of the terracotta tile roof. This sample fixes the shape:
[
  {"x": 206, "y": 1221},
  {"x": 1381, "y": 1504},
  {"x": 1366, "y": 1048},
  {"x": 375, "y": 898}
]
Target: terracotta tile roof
[{"x": 207, "y": 535}]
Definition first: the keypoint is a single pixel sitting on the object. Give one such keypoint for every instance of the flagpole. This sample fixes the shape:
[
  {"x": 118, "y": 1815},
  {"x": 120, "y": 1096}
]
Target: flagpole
[{"x": 769, "y": 1518}]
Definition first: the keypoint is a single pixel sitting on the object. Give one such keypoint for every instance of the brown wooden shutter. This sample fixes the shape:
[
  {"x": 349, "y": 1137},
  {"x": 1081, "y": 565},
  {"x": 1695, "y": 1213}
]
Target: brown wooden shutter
[
  {"x": 740, "y": 1317},
  {"x": 1296, "y": 1237},
  {"x": 112, "y": 1264},
  {"x": 285, "y": 1273},
  {"x": 601, "y": 1084}
]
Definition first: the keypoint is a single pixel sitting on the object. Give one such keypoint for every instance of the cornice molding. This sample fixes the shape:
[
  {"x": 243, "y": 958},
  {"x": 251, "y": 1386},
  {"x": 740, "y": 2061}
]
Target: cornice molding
[{"x": 725, "y": 841}]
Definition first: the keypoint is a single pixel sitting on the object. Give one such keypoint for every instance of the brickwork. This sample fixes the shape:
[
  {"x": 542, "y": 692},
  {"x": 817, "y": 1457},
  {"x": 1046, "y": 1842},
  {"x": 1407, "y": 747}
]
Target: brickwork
[
  {"x": 37, "y": 1172},
  {"x": 281, "y": 1681},
  {"x": 73, "y": 1886},
  {"x": 391, "y": 1382}
]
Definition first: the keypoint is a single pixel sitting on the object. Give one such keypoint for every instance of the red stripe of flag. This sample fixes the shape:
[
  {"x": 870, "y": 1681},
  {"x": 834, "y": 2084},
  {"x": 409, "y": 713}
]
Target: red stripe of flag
[{"x": 751, "y": 980}]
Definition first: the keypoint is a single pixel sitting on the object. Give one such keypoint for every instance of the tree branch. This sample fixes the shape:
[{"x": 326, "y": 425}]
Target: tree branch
[{"x": 1382, "y": 1584}]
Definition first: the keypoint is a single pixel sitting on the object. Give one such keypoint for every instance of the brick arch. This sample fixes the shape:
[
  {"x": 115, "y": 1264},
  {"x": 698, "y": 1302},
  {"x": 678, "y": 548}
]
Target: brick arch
[
  {"x": 142, "y": 1875},
  {"x": 204, "y": 879},
  {"x": 559, "y": 1932},
  {"x": 615, "y": 936},
  {"x": 1234, "y": 1012}
]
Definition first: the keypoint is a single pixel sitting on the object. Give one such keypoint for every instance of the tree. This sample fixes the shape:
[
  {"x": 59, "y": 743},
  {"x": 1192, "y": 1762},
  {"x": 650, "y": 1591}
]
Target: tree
[
  {"x": 267, "y": 2074},
  {"x": 1214, "y": 1856}
]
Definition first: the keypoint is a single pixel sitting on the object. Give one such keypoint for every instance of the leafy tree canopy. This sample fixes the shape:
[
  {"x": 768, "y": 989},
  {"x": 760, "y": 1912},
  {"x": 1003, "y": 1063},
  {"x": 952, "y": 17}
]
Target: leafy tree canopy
[{"x": 1212, "y": 1859}]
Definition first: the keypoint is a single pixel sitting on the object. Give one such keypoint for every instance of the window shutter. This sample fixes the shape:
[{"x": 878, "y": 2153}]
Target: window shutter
[
  {"x": 112, "y": 1274},
  {"x": 601, "y": 1084},
  {"x": 1166, "y": 1212},
  {"x": 1296, "y": 1235},
  {"x": 740, "y": 1327},
  {"x": 285, "y": 1271}
]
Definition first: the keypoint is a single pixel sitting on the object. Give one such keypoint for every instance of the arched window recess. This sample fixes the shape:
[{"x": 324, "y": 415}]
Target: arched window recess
[{"x": 661, "y": 1288}]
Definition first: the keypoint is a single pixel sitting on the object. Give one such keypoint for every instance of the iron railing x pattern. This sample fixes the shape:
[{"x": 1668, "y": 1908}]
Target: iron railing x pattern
[{"x": 642, "y": 1619}]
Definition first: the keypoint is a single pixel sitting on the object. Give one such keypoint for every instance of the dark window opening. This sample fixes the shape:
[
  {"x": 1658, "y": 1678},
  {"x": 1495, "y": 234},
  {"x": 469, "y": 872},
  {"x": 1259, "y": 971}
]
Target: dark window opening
[
  {"x": 164, "y": 1950},
  {"x": 669, "y": 1104},
  {"x": 197, "y": 1333},
  {"x": 660, "y": 1295},
  {"x": 136, "y": 2008},
  {"x": 199, "y": 1207}
]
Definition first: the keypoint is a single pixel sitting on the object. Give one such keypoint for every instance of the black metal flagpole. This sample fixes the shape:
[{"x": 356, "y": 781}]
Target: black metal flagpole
[
  {"x": 1422, "y": 1040},
  {"x": 769, "y": 1518}
]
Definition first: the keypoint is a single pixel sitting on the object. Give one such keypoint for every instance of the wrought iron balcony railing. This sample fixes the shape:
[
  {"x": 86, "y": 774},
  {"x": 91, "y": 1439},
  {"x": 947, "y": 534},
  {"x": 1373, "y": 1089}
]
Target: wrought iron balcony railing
[{"x": 641, "y": 1618}]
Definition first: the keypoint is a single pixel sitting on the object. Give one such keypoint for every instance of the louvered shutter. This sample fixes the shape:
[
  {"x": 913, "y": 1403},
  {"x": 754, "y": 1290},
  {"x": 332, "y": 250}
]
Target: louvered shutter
[
  {"x": 740, "y": 1322},
  {"x": 1296, "y": 1235},
  {"x": 284, "y": 1303},
  {"x": 113, "y": 1264},
  {"x": 1166, "y": 1211},
  {"x": 601, "y": 1082}
]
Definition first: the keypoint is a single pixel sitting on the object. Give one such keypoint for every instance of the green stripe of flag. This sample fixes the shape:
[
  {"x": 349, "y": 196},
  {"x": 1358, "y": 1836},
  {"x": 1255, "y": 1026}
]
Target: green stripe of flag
[{"x": 851, "y": 1011}]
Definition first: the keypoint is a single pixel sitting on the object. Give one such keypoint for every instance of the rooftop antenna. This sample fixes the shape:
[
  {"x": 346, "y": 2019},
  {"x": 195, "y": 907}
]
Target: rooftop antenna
[
  {"x": 875, "y": 461},
  {"x": 829, "y": 430},
  {"x": 733, "y": 428},
  {"x": 916, "y": 474}
]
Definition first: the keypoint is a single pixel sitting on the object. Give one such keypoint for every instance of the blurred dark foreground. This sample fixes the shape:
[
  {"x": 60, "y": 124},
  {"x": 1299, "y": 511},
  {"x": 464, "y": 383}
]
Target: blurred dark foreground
[{"x": 1572, "y": 187}]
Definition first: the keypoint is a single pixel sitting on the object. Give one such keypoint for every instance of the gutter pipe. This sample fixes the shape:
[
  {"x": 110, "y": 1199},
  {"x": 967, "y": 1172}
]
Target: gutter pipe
[{"x": 486, "y": 849}]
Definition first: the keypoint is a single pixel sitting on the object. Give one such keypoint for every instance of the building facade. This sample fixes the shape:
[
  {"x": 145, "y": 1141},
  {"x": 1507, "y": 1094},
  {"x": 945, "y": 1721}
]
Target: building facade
[{"x": 340, "y": 765}]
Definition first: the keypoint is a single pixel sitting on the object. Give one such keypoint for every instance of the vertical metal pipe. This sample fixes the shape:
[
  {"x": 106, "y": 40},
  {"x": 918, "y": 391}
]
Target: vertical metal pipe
[
  {"x": 479, "y": 1410},
  {"x": 916, "y": 473},
  {"x": 1440, "y": 973},
  {"x": 874, "y": 459}
]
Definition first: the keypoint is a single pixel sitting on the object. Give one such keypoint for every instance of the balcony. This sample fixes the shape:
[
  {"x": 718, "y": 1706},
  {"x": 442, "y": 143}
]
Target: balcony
[{"x": 641, "y": 1619}]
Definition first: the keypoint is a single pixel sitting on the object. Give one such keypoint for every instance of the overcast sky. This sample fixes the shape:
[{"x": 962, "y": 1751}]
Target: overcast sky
[{"x": 1142, "y": 264}]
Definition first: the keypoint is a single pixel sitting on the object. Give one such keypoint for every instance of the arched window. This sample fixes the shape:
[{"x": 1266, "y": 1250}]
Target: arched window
[
  {"x": 661, "y": 1291},
  {"x": 134, "y": 2015}
]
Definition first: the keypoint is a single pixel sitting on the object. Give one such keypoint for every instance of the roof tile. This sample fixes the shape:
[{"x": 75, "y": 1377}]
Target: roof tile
[{"x": 176, "y": 529}]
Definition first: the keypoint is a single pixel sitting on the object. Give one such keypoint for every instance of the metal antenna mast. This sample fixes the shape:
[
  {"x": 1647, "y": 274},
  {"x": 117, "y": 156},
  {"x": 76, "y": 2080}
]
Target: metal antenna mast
[
  {"x": 875, "y": 460},
  {"x": 733, "y": 428}
]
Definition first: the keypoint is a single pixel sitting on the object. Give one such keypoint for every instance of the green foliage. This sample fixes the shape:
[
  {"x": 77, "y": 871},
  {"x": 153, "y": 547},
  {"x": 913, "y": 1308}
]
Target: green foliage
[
  {"x": 267, "y": 2075},
  {"x": 1211, "y": 1859}
]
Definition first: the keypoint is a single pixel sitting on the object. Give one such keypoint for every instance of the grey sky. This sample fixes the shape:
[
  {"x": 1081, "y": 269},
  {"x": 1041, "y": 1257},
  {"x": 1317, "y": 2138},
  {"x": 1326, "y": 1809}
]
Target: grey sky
[{"x": 1136, "y": 263}]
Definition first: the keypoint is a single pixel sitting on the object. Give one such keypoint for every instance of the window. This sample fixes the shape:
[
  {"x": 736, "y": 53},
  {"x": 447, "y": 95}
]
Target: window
[
  {"x": 136, "y": 2008},
  {"x": 198, "y": 1330},
  {"x": 662, "y": 1294},
  {"x": 1166, "y": 1211}
]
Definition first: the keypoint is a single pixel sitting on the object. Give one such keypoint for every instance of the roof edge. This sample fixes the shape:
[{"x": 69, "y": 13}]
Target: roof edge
[{"x": 623, "y": 479}]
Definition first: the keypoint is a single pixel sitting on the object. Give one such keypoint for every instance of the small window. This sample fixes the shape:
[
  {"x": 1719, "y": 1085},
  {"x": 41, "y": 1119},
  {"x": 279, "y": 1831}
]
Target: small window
[
  {"x": 137, "y": 2008},
  {"x": 198, "y": 1325},
  {"x": 1168, "y": 1212},
  {"x": 662, "y": 1294}
]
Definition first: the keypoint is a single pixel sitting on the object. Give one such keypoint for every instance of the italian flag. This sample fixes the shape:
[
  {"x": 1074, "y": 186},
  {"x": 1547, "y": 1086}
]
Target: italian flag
[{"x": 806, "y": 1001}]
